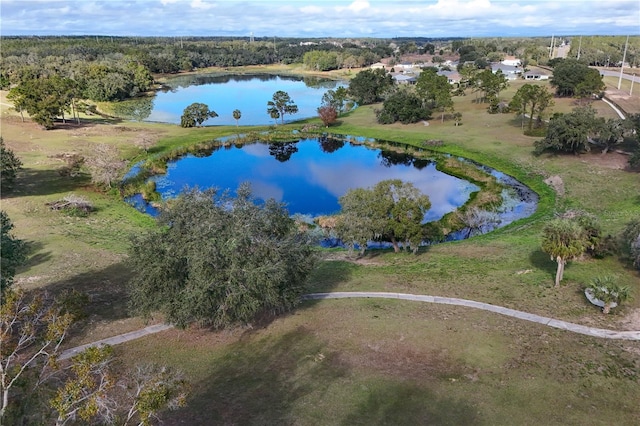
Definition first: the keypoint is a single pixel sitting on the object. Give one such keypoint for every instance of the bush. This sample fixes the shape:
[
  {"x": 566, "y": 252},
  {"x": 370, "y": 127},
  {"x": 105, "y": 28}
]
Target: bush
[
  {"x": 536, "y": 132},
  {"x": 73, "y": 164},
  {"x": 13, "y": 252},
  {"x": 630, "y": 242},
  {"x": 10, "y": 164}
]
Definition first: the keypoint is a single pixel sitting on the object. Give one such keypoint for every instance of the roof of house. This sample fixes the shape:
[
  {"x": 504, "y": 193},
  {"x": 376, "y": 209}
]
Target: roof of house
[
  {"x": 535, "y": 73},
  {"x": 506, "y": 69},
  {"x": 510, "y": 60},
  {"x": 451, "y": 75},
  {"x": 401, "y": 78}
]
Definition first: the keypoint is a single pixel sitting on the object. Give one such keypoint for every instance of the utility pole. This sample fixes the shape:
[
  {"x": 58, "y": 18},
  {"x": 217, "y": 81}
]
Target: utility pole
[
  {"x": 624, "y": 57},
  {"x": 579, "y": 46}
]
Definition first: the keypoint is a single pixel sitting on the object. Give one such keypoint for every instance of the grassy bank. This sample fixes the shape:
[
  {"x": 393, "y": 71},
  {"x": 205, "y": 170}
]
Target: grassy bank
[{"x": 366, "y": 361}]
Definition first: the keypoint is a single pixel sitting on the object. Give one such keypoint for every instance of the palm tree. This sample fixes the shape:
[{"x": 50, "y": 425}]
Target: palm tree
[
  {"x": 608, "y": 291},
  {"x": 563, "y": 240},
  {"x": 236, "y": 115}
]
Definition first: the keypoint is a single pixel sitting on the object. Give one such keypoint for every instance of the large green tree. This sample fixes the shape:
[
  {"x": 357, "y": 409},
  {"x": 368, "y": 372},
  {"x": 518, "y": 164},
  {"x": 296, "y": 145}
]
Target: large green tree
[
  {"x": 13, "y": 252},
  {"x": 572, "y": 78},
  {"x": 44, "y": 98},
  {"x": 563, "y": 240},
  {"x": 632, "y": 126},
  {"x": 9, "y": 166},
  {"x": 435, "y": 91},
  {"x": 368, "y": 86},
  {"x": 390, "y": 211},
  {"x": 609, "y": 133},
  {"x": 219, "y": 260},
  {"x": 320, "y": 60},
  {"x": 531, "y": 100},
  {"x": 490, "y": 84},
  {"x": 404, "y": 106},
  {"x": 280, "y": 105},
  {"x": 569, "y": 132},
  {"x": 335, "y": 98},
  {"x": 196, "y": 114}
]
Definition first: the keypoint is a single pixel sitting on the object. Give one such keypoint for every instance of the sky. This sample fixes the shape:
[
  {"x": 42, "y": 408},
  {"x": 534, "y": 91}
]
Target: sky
[{"x": 320, "y": 18}]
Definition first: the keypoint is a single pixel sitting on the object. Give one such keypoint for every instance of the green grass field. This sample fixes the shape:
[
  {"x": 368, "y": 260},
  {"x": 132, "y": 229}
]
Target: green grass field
[{"x": 346, "y": 362}]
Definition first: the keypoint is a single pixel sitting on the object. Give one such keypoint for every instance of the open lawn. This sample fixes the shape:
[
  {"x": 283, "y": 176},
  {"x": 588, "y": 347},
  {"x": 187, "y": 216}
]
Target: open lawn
[{"x": 365, "y": 361}]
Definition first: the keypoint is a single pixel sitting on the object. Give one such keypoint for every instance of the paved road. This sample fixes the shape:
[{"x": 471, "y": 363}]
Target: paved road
[
  {"x": 635, "y": 78},
  {"x": 564, "y": 325}
]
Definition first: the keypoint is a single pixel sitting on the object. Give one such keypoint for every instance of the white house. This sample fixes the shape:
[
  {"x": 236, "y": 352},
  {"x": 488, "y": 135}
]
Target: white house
[
  {"x": 511, "y": 61},
  {"x": 405, "y": 66},
  {"x": 510, "y": 72},
  {"x": 535, "y": 75},
  {"x": 452, "y": 76},
  {"x": 377, "y": 66},
  {"x": 404, "y": 79}
]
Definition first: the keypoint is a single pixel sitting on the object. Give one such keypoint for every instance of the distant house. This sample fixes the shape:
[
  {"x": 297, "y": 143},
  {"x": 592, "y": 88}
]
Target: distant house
[
  {"x": 377, "y": 66},
  {"x": 511, "y": 61},
  {"x": 406, "y": 65},
  {"x": 510, "y": 72},
  {"x": 429, "y": 64},
  {"x": 452, "y": 76},
  {"x": 404, "y": 79},
  {"x": 535, "y": 75}
]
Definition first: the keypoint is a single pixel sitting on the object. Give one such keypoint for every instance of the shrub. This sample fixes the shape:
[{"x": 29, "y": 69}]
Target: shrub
[
  {"x": 10, "y": 164},
  {"x": 73, "y": 164},
  {"x": 630, "y": 242}
]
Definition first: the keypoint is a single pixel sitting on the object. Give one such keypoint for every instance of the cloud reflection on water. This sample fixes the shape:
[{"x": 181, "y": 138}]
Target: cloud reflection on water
[{"x": 311, "y": 180}]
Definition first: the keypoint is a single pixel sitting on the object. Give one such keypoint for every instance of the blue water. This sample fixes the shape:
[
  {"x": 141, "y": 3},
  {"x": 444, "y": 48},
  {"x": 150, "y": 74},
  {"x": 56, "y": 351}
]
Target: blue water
[
  {"x": 310, "y": 175},
  {"x": 248, "y": 93}
]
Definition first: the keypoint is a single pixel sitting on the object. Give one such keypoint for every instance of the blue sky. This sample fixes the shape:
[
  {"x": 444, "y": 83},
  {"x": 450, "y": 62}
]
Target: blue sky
[{"x": 320, "y": 18}]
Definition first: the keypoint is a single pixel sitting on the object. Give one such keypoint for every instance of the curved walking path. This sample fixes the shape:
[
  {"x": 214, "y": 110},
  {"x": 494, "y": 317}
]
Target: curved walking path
[
  {"x": 563, "y": 325},
  {"x": 120, "y": 338},
  {"x": 615, "y": 108}
]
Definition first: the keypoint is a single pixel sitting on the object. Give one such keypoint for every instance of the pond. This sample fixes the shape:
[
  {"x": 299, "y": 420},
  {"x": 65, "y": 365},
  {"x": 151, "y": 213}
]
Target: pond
[
  {"x": 310, "y": 175},
  {"x": 226, "y": 93}
]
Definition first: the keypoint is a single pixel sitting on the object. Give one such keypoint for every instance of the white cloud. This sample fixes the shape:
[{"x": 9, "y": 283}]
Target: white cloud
[
  {"x": 311, "y": 10},
  {"x": 318, "y": 18},
  {"x": 359, "y": 5},
  {"x": 201, "y": 4}
]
